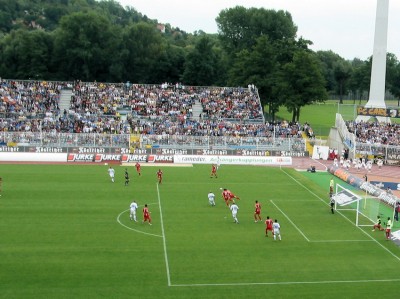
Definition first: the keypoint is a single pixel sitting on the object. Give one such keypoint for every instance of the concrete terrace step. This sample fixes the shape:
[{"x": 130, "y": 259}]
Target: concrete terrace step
[
  {"x": 197, "y": 109},
  {"x": 65, "y": 99}
]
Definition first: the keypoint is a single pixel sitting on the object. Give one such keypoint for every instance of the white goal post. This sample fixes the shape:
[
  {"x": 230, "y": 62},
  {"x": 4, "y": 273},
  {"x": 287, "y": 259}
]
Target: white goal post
[
  {"x": 345, "y": 200},
  {"x": 367, "y": 208}
]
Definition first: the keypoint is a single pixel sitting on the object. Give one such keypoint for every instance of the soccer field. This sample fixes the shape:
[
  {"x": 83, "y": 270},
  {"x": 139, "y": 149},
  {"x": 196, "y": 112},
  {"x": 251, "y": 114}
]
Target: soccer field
[{"x": 65, "y": 233}]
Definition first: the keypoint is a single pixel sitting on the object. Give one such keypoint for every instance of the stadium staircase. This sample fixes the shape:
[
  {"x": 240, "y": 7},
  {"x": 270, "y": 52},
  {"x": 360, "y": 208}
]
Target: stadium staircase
[
  {"x": 197, "y": 109},
  {"x": 65, "y": 99},
  {"x": 309, "y": 147}
]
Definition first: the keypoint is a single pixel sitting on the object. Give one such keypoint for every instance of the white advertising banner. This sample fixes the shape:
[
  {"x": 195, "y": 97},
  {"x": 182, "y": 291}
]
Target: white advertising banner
[
  {"x": 238, "y": 160},
  {"x": 320, "y": 152},
  {"x": 33, "y": 157}
]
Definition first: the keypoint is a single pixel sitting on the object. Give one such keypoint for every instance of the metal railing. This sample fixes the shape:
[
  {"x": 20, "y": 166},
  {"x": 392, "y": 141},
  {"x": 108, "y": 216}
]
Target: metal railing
[
  {"x": 349, "y": 139},
  {"x": 156, "y": 141}
]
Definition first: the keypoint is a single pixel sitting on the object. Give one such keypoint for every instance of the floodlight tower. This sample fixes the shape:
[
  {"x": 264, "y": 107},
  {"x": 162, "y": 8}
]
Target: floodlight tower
[{"x": 378, "y": 72}]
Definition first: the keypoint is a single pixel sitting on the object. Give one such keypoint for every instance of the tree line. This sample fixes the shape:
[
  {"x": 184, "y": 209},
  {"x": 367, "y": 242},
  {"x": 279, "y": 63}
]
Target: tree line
[{"x": 102, "y": 41}]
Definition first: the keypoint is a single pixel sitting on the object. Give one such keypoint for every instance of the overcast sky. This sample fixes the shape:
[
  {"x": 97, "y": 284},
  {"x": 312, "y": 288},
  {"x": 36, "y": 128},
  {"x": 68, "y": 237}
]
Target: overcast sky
[{"x": 344, "y": 26}]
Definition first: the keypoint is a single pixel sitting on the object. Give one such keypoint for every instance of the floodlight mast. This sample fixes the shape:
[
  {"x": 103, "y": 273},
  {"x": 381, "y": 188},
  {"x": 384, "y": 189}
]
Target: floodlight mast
[{"x": 378, "y": 71}]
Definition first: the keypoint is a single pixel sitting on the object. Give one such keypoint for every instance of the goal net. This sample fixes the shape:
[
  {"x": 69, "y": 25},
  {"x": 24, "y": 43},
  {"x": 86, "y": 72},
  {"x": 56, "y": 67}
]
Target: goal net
[{"x": 364, "y": 207}]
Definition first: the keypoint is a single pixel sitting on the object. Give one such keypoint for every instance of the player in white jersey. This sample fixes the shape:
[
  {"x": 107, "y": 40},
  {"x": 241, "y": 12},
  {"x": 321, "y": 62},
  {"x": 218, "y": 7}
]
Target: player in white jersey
[
  {"x": 354, "y": 161},
  {"x": 234, "y": 208},
  {"x": 363, "y": 165},
  {"x": 379, "y": 163},
  {"x": 347, "y": 164},
  {"x": 369, "y": 165},
  {"x": 335, "y": 162},
  {"x": 341, "y": 161},
  {"x": 211, "y": 198},
  {"x": 358, "y": 166},
  {"x": 277, "y": 230},
  {"x": 133, "y": 207},
  {"x": 111, "y": 173}
]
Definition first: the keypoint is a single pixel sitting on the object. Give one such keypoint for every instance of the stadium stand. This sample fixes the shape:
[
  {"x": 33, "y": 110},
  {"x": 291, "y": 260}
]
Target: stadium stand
[
  {"x": 375, "y": 132},
  {"x": 231, "y": 117},
  {"x": 370, "y": 140}
]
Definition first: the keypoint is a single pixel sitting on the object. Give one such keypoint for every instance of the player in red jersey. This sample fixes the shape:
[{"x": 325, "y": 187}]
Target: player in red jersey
[
  {"x": 159, "y": 176},
  {"x": 388, "y": 228},
  {"x": 268, "y": 227},
  {"x": 213, "y": 171},
  {"x": 146, "y": 214},
  {"x": 257, "y": 211},
  {"x": 228, "y": 196},
  {"x": 137, "y": 165}
]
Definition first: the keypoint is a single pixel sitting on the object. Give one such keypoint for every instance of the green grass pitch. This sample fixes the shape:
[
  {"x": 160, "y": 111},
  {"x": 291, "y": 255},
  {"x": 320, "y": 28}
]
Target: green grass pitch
[{"x": 65, "y": 233}]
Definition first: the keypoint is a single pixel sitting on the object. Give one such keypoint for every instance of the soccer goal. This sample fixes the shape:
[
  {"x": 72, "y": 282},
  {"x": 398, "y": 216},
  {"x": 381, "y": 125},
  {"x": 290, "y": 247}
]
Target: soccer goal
[{"x": 365, "y": 207}]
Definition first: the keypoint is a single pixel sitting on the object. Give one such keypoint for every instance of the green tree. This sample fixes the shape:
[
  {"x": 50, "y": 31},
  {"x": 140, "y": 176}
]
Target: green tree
[
  {"x": 342, "y": 71},
  {"x": 239, "y": 27},
  {"x": 85, "y": 44},
  {"x": 258, "y": 66},
  {"x": 6, "y": 14},
  {"x": 53, "y": 14},
  {"x": 258, "y": 42},
  {"x": 392, "y": 78},
  {"x": 395, "y": 88},
  {"x": 201, "y": 65},
  {"x": 142, "y": 46},
  {"x": 170, "y": 65},
  {"x": 301, "y": 83},
  {"x": 328, "y": 60},
  {"x": 360, "y": 78},
  {"x": 25, "y": 54}
]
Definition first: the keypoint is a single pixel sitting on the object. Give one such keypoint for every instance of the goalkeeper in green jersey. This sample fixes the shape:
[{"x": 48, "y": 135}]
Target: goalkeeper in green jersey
[{"x": 378, "y": 224}]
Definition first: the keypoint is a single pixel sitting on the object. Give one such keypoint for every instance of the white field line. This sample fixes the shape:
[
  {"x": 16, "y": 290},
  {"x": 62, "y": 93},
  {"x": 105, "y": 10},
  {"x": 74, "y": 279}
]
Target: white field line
[
  {"x": 301, "y": 232},
  {"x": 136, "y": 230},
  {"x": 227, "y": 184},
  {"x": 339, "y": 241},
  {"x": 287, "y": 217},
  {"x": 164, "y": 239},
  {"x": 365, "y": 233},
  {"x": 265, "y": 283},
  {"x": 300, "y": 200},
  {"x": 326, "y": 168},
  {"x": 284, "y": 283}
]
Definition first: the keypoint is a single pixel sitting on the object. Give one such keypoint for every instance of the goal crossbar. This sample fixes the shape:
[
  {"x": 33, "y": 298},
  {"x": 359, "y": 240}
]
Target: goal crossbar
[{"x": 344, "y": 196}]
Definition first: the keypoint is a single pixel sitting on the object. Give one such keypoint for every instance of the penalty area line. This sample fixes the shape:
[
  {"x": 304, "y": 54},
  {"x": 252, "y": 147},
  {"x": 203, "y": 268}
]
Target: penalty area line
[
  {"x": 287, "y": 217},
  {"x": 344, "y": 216}
]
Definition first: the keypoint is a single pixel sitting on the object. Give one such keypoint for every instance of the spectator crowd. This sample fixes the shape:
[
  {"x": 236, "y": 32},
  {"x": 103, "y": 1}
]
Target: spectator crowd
[
  {"x": 165, "y": 109},
  {"x": 375, "y": 132},
  {"x": 33, "y": 106}
]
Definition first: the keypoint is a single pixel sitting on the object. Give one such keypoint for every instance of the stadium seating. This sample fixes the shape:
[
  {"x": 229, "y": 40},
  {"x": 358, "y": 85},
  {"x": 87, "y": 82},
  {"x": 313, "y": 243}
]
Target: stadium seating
[
  {"x": 161, "y": 110},
  {"x": 375, "y": 132}
]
